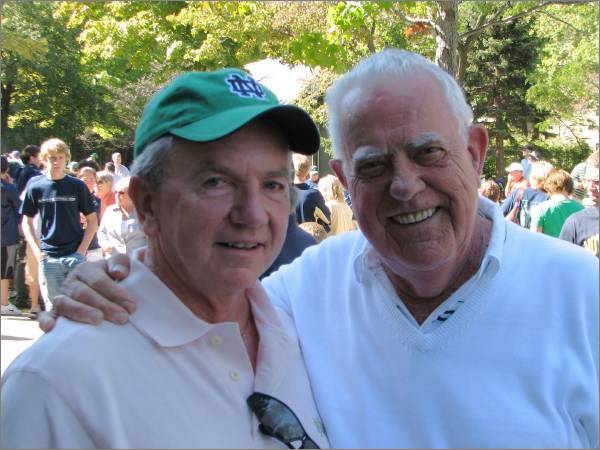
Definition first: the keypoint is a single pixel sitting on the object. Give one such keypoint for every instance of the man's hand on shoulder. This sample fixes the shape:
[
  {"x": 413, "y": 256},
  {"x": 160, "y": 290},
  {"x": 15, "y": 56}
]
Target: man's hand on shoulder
[{"x": 91, "y": 294}]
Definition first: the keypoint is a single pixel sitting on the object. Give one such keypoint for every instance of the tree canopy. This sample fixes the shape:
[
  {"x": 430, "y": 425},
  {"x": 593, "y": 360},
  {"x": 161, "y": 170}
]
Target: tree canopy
[{"x": 83, "y": 70}]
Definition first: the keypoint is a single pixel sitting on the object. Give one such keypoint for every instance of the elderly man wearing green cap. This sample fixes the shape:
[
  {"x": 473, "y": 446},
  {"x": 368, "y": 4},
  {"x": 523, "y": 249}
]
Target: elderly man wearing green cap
[{"x": 206, "y": 361}]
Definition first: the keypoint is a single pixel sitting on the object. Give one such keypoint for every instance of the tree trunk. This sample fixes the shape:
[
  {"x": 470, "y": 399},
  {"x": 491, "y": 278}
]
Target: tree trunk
[
  {"x": 7, "y": 90},
  {"x": 446, "y": 36},
  {"x": 499, "y": 155}
]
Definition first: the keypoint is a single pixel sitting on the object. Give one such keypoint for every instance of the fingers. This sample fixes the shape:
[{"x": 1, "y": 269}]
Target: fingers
[
  {"x": 46, "y": 320},
  {"x": 118, "y": 266},
  {"x": 81, "y": 312},
  {"x": 83, "y": 304},
  {"x": 88, "y": 292}
]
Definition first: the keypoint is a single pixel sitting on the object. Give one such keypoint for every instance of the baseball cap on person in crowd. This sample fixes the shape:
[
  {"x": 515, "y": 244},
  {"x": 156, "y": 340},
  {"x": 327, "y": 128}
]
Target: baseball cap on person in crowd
[
  {"x": 205, "y": 106},
  {"x": 314, "y": 170},
  {"x": 514, "y": 166}
]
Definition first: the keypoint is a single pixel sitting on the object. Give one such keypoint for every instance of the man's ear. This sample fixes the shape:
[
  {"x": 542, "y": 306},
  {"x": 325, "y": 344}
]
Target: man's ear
[
  {"x": 477, "y": 144},
  {"x": 143, "y": 199},
  {"x": 337, "y": 166}
]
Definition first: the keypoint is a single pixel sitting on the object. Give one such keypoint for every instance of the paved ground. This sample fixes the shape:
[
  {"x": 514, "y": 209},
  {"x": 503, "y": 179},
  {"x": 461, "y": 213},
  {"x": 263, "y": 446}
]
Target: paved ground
[{"x": 18, "y": 333}]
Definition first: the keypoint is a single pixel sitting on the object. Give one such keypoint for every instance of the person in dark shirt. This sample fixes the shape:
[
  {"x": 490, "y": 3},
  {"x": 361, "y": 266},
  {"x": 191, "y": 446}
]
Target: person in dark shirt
[
  {"x": 10, "y": 237},
  {"x": 31, "y": 161},
  {"x": 310, "y": 206},
  {"x": 296, "y": 240},
  {"x": 59, "y": 199}
]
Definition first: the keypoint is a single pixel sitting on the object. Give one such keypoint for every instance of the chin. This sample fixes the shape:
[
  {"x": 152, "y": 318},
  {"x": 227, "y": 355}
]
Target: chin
[
  {"x": 241, "y": 277},
  {"x": 421, "y": 258}
]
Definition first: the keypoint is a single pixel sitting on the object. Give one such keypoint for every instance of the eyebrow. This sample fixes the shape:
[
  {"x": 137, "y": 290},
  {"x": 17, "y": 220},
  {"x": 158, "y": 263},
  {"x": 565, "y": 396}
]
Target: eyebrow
[
  {"x": 420, "y": 141},
  {"x": 366, "y": 153},
  {"x": 423, "y": 140}
]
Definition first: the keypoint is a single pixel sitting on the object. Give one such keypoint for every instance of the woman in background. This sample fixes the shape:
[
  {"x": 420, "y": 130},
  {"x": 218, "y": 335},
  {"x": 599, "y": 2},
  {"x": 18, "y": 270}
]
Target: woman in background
[{"x": 341, "y": 214}]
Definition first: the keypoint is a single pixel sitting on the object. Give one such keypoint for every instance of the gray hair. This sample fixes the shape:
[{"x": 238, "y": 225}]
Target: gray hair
[
  {"x": 150, "y": 165},
  {"x": 391, "y": 62}
]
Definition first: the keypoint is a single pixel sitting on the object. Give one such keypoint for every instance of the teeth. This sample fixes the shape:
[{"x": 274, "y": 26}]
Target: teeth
[
  {"x": 407, "y": 219},
  {"x": 241, "y": 245}
]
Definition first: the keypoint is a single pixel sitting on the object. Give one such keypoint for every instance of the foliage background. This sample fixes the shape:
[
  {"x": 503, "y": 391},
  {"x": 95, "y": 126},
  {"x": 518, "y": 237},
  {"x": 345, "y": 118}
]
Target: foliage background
[{"x": 82, "y": 71}]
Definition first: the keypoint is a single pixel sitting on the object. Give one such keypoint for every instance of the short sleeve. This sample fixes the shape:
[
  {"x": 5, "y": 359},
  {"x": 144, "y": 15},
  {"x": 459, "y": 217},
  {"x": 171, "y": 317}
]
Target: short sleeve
[
  {"x": 536, "y": 217},
  {"x": 35, "y": 416},
  {"x": 29, "y": 205}
]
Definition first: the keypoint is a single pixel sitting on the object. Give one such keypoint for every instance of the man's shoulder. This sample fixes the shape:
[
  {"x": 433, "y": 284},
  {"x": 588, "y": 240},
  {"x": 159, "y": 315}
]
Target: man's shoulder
[
  {"x": 590, "y": 214},
  {"x": 543, "y": 252},
  {"x": 72, "y": 346},
  {"x": 38, "y": 180},
  {"x": 534, "y": 194},
  {"x": 70, "y": 179}
]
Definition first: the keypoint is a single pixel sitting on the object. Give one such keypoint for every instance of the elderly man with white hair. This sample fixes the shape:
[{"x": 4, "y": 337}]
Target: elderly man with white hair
[
  {"x": 438, "y": 324},
  {"x": 119, "y": 230}
]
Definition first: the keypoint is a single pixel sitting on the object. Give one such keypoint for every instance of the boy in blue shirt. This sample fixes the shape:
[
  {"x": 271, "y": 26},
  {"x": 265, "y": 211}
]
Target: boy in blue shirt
[{"x": 59, "y": 198}]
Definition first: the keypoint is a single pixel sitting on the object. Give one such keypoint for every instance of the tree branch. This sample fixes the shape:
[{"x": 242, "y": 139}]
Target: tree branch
[
  {"x": 410, "y": 19},
  {"x": 566, "y": 23},
  {"x": 543, "y": 4},
  {"x": 572, "y": 132}
]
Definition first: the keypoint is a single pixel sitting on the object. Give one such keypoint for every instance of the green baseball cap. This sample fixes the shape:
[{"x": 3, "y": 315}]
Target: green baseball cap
[{"x": 205, "y": 106}]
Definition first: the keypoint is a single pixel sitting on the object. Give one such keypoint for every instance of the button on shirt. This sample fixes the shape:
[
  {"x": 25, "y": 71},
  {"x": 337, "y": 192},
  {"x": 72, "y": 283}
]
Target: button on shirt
[{"x": 166, "y": 379}]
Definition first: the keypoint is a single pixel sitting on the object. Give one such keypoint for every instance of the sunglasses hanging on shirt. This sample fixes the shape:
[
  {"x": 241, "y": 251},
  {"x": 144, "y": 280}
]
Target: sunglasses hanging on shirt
[{"x": 279, "y": 421}]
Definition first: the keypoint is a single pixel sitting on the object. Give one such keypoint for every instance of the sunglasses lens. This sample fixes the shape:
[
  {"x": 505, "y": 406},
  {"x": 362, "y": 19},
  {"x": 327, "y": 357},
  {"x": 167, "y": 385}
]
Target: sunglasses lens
[{"x": 276, "y": 418}]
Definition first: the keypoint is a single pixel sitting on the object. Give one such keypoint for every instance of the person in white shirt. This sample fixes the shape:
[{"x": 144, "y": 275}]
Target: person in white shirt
[
  {"x": 206, "y": 361},
  {"x": 119, "y": 231},
  {"x": 438, "y": 324},
  {"x": 120, "y": 170}
]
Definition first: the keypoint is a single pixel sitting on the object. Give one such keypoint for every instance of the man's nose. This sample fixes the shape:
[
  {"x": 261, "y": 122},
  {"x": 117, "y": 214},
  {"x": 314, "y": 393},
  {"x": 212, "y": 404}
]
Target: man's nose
[
  {"x": 249, "y": 208},
  {"x": 406, "y": 181}
]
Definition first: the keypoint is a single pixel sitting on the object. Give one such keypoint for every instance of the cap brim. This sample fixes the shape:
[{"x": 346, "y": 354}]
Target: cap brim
[{"x": 296, "y": 124}]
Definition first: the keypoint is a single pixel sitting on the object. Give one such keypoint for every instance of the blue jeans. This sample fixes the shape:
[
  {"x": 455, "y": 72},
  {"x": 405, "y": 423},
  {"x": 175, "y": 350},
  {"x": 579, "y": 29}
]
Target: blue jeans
[{"x": 53, "y": 271}]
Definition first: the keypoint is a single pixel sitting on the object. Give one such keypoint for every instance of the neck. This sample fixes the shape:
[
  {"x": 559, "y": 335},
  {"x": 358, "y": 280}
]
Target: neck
[
  {"x": 559, "y": 196},
  {"x": 423, "y": 291},
  {"x": 55, "y": 176},
  {"x": 215, "y": 307}
]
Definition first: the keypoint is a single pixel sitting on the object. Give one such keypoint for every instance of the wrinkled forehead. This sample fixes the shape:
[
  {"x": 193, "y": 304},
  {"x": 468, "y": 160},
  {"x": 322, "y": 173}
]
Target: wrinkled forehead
[
  {"x": 415, "y": 106},
  {"x": 269, "y": 149}
]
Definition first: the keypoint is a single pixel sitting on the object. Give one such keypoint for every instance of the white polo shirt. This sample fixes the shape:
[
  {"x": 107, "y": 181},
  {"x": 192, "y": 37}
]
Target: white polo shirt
[{"x": 166, "y": 379}]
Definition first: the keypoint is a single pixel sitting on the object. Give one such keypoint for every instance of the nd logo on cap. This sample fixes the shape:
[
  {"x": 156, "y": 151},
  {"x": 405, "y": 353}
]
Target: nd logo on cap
[
  {"x": 245, "y": 86},
  {"x": 205, "y": 106}
]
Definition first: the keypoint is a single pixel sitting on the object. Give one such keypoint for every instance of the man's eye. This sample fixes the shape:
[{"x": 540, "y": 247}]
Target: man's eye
[
  {"x": 214, "y": 183},
  {"x": 275, "y": 186},
  {"x": 430, "y": 155},
  {"x": 369, "y": 169}
]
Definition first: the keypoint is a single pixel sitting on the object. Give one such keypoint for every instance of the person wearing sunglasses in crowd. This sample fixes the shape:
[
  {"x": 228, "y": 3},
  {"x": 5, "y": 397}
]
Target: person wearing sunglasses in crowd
[
  {"x": 438, "y": 324},
  {"x": 206, "y": 361}
]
